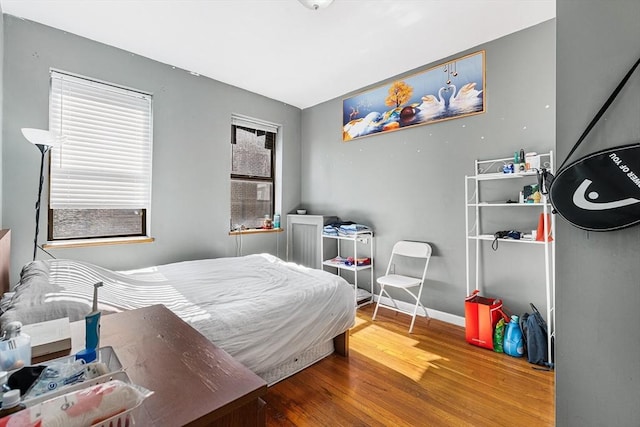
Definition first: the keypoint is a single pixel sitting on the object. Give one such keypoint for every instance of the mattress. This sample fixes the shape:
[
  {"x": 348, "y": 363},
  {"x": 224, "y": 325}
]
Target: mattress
[
  {"x": 259, "y": 309},
  {"x": 297, "y": 363}
]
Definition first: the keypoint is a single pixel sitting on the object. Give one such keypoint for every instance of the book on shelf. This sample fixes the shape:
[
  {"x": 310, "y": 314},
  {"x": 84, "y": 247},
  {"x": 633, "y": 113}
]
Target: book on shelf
[{"x": 49, "y": 337}]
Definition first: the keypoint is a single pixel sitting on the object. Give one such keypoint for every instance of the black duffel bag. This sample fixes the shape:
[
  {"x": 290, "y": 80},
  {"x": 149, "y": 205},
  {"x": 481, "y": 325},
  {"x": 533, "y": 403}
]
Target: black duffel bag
[{"x": 535, "y": 336}]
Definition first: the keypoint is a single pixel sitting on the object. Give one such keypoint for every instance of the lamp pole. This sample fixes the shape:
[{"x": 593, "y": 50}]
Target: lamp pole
[
  {"x": 44, "y": 140},
  {"x": 43, "y": 150}
]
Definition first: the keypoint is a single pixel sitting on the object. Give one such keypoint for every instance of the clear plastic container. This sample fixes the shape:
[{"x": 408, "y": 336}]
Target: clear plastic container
[
  {"x": 89, "y": 404},
  {"x": 15, "y": 348},
  {"x": 106, "y": 355}
]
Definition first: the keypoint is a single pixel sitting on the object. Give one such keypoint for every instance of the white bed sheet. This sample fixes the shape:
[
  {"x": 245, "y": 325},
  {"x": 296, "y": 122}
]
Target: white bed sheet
[{"x": 258, "y": 308}]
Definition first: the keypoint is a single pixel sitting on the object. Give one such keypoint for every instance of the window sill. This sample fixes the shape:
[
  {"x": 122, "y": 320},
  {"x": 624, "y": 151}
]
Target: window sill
[
  {"x": 255, "y": 231},
  {"x": 81, "y": 243}
]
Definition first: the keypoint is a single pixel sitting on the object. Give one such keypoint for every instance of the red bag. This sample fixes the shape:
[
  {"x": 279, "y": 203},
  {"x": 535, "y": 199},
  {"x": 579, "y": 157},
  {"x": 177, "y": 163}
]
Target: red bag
[{"x": 481, "y": 315}]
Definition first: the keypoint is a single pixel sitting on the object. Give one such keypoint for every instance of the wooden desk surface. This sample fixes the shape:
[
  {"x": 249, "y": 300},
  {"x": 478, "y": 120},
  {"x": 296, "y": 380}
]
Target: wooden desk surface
[{"x": 194, "y": 382}]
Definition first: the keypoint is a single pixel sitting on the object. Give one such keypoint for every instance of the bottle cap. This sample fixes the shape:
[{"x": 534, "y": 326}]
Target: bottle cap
[
  {"x": 11, "y": 399},
  {"x": 12, "y": 329},
  {"x": 87, "y": 354}
]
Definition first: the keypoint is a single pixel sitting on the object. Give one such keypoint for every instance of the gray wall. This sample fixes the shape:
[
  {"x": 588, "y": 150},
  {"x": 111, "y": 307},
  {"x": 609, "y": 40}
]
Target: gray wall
[
  {"x": 1, "y": 92},
  {"x": 191, "y": 154},
  {"x": 598, "y": 293},
  {"x": 409, "y": 184}
]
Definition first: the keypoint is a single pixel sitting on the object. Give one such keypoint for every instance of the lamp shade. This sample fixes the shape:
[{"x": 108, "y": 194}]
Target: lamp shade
[
  {"x": 43, "y": 137},
  {"x": 315, "y": 4}
]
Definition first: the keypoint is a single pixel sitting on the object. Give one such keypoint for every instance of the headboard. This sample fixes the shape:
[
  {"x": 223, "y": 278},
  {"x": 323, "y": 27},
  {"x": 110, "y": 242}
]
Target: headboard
[{"x": 5, "y": 258}]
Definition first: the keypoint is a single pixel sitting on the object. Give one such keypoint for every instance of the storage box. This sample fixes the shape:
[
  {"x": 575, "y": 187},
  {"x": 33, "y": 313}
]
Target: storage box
[
  {"x": 481, "y": 315},
  {"x": 90, "y": 403},
  {"x": 106, "y": 355}
]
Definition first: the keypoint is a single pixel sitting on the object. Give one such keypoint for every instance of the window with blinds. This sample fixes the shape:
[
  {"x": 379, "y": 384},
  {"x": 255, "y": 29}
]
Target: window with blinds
[
  {"x": 100, "y": 178},
  {"x": 252, "y": 172}
]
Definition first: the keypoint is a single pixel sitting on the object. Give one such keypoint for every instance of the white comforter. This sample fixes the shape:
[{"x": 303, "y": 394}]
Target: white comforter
[{"x": 258, "y": 308}]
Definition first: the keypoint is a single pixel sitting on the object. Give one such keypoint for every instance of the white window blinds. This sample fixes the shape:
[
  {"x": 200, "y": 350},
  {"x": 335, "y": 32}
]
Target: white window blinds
[
  {"x": 106, "y": 160},
  {"x": 251, "y": 123}
]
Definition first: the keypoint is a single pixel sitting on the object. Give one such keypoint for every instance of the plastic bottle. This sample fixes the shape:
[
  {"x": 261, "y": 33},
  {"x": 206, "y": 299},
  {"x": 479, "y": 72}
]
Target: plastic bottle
[
  {"x": 276, "y": 221},
  {"x": 11, "y": 403},
  {"x": 523, "y": 165},
  {"x": 513, "y": 343}
]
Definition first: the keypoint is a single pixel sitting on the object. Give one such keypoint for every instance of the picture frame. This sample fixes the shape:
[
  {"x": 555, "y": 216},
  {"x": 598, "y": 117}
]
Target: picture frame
[{"x": 450, "y": 90}]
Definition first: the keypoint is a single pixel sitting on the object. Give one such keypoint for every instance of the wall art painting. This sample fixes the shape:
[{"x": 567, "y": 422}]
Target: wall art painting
[{"x": 447, "y": 91}]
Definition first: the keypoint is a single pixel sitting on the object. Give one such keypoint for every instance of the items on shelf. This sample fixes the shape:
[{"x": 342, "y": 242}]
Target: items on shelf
[
  {"x": 348, "y": 236},
  {"x": 345, "y": 228},
  {"x": 350, "y": 261},
  {"x": 530, "y": 194},
  {"x": 267, "y": 222},
  {"x": 522, "y": 162},
  {"x": 540, "y": 232}
]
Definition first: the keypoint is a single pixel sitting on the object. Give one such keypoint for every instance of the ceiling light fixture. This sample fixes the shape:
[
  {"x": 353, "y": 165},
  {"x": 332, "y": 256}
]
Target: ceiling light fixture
[{"x": 315, "y": 4}]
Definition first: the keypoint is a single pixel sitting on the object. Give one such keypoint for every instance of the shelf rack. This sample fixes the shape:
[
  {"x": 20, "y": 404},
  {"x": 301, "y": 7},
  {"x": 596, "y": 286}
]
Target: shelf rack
[
  {"x": 474, "y": 206},
  {"x": 362, "y": 296}
]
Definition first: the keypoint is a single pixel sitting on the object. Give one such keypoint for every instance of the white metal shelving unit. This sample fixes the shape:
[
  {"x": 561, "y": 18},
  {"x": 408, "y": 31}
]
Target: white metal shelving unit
[
  {"x": 476, "y": 207},
  {"x": 362, "y": 296}
]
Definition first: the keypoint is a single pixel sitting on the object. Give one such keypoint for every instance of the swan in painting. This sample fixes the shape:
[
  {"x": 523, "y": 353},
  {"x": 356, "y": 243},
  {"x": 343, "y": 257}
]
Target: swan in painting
[
  {"x": 467, "y": 99},
  {"x": 432, "y": 106},
  {"x": 363, "y": 126}
]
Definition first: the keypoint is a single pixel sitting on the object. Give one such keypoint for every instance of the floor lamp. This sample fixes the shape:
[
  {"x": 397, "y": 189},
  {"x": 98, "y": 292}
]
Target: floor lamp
[{"x": 44, "y": 140}]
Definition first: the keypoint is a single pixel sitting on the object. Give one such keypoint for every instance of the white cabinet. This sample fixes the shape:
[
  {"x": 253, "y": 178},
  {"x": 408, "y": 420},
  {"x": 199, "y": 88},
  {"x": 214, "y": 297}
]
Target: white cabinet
[
  {"x": 492, "y": 201},
  {"x": 304, "y": 242},
  {"x": 357, "y": 247}
]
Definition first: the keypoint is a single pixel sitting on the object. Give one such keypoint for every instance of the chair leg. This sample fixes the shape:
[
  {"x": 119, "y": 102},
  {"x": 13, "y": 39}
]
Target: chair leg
[
  {"x": 375, "y": 312},
  {"x": 413, "y": 320},
  {"x": 423, "y": 307},
  {"x": 415, "y": 309},
  {"x": 415, "y": 313}
]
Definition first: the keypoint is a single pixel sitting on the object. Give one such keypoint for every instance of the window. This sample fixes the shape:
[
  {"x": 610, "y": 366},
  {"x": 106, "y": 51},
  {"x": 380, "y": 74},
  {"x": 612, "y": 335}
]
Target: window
[
  {"x": 252, "y": 172},
  {"x": 100, "y": 179}
]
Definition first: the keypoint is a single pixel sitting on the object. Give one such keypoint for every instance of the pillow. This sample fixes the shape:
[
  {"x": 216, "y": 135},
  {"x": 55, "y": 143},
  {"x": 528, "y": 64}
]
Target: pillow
[
  {"x": 33, "y": 299},
  {"x": 42, "y": 312}
]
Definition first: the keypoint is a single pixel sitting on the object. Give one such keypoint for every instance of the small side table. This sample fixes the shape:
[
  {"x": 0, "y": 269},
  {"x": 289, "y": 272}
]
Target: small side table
[{"x": 194, "y": 382}]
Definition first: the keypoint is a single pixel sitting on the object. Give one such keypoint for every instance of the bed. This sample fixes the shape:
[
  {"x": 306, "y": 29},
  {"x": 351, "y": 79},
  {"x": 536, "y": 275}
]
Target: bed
[{"x": 274, "y": 317}]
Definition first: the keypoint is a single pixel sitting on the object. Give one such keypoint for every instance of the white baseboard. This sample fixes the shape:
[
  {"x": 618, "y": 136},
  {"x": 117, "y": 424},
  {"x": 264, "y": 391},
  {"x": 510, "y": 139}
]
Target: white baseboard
[{"x": 434, "y": 314}]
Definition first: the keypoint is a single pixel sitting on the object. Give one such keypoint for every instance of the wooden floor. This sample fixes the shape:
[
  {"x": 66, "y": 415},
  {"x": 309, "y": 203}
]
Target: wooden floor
[{"x": 432, "y": 377}]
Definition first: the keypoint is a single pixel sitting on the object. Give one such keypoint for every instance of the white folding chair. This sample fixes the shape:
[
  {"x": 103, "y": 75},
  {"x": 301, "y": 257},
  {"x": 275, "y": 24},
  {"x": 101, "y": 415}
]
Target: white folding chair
[{"x": 407, "y": 249}]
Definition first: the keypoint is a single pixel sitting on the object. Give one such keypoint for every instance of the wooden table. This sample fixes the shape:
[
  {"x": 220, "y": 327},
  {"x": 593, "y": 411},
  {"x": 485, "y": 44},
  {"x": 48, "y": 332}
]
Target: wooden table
[{"x": 195, "y": 383}]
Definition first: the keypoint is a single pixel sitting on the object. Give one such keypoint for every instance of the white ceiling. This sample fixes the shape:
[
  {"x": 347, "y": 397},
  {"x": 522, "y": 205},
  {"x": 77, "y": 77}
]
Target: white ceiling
[{"x": 282, "y": 50}]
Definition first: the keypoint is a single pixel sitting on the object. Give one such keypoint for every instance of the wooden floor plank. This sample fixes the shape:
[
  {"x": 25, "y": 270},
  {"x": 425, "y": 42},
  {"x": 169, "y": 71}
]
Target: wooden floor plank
[{"x": 432, "y": 377}]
